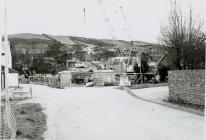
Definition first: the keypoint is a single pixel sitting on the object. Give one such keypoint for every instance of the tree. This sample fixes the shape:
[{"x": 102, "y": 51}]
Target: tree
[
  {"x": 144, "y": 62},
  {"x": 54, "y": 49},
  {"x": 184, "y": 40}
]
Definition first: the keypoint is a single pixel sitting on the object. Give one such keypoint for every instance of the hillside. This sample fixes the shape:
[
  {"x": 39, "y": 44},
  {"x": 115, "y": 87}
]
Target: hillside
[
  {"x": 31, "y": 41},
  {"x": 29, "y": 48}
]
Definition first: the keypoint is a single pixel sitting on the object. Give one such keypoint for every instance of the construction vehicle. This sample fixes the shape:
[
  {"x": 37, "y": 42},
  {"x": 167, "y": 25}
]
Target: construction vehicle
[
  {"x": 126, "y": 63},
  {"x": 128, "y": 31}
]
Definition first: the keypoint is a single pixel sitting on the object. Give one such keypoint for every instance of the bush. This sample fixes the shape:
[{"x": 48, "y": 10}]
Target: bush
[{"x": 163, "y": 72}]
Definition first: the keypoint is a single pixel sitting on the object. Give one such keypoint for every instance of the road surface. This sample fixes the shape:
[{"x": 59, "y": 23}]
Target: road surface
[{"x": 108, "y": 113}]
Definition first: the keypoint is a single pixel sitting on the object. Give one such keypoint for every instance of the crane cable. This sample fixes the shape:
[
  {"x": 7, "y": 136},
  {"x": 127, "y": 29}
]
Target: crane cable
[{"x": 109, "y": 26}]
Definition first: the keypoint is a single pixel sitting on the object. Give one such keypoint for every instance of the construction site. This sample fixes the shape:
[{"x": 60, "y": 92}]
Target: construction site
[
  {"x": 137, "y": 63},
  {"x": 59, "y": 87}
]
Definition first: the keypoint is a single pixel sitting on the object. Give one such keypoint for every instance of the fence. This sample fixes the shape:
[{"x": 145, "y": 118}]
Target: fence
[
  {"x": 53, "y": 81},
  {"x": 8, "y": 127},
  {"x": 99, "y": 79}
]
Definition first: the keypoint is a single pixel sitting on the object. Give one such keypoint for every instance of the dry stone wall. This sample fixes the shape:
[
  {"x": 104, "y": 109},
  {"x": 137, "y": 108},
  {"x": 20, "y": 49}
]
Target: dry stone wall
[{"x": 187, "y": 85}]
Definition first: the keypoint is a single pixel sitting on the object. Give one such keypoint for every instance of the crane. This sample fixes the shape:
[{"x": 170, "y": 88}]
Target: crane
[
  {"x": 127, "y": 30},
  {"x": 110, "y": 27},
  {"x": 123, "y": 78}
]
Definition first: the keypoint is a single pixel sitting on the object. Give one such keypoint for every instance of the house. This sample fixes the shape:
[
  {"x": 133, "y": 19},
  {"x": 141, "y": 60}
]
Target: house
[
  {"x": 65, "y": 78},
  {"x": 6, "y": 63}
]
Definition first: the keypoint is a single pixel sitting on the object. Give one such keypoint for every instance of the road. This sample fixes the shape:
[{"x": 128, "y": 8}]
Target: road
[{"x": 107, "y": 113}]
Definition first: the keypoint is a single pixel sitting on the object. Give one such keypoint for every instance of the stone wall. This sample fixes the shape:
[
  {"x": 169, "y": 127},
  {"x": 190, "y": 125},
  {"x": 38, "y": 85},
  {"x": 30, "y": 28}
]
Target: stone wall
[{"x": 187, "y": 85}]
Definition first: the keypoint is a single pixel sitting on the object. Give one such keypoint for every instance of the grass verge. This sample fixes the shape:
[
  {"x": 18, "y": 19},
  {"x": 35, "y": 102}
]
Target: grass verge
[
  {"x": 147, "y": 85},
  {"x": 186, "y": 104},
  {"x": 31, "y": 121}
]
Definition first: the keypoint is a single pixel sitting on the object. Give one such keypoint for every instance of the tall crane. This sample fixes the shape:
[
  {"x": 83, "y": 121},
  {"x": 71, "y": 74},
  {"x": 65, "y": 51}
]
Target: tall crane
[
  {"x": 124, "y": 77},
  {"x": 111, "y": 28},
  {"x": 128, "y": 31}
]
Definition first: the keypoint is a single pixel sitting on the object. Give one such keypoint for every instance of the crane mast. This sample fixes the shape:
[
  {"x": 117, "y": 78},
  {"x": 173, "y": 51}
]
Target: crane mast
[
  {"x": 127, "y": 30},
  {"x": 111, "y": 28}
]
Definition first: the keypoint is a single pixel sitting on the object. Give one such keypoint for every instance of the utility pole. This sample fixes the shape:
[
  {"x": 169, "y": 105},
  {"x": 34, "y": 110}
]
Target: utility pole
[
  {"x": 84, "y": 12},
  {"x": 0, "y": 60},
  {"x": 7, "y": 51}
]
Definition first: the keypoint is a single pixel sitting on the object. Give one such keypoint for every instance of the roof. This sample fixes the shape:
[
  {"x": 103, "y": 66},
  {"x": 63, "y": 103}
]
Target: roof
[{"x": 13, "y": 71}]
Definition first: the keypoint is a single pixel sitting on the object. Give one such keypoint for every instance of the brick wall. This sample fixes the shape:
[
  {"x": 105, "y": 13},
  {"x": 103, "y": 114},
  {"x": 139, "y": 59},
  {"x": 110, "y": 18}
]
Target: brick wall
[{"x": 187, "y": 85}]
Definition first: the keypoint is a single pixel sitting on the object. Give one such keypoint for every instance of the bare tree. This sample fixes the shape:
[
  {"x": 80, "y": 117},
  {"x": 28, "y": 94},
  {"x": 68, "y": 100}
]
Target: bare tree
[{"x": 184, "y": 40}]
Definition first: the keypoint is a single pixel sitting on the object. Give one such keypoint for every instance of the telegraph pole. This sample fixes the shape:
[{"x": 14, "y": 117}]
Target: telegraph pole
[
  {"x": 84, "y": 12},
  {"x": 7, "y": 50},
  {"x": 0, "y": 60}
]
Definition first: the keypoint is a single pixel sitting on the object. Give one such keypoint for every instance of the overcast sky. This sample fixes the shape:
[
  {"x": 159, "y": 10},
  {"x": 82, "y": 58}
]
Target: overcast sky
[{"x": 65, "y": 17}]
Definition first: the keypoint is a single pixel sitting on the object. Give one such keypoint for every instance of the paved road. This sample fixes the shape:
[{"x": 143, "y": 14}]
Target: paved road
[{"x": 111, "y": 114}]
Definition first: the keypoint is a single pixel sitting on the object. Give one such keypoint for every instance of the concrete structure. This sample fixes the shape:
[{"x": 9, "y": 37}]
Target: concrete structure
[
  {"x": 187, "y": 85},
  {"x": 124, "y": 81},
  {"x": 13, "y": 78},
  {"x": 65, "y": 78},
  {"x": 102, "y": 77}
]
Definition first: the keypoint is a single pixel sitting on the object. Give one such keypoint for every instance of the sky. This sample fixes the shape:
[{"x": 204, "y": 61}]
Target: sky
[{"x": 65, "y": 17}]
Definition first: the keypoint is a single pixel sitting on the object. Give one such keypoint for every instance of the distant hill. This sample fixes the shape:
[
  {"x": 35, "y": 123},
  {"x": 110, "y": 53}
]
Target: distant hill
[
  {"x": 68, "y": 42},
  {"x": 28, "y": 48},
  {"x": 28, "y": 36}
]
